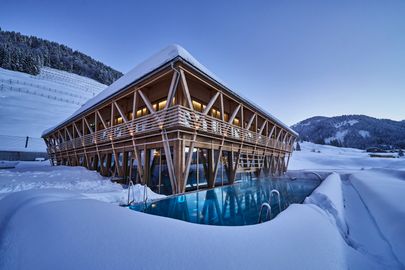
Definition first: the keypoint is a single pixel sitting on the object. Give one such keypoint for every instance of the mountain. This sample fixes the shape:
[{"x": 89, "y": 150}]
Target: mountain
[
  {"x": 29, "y": 54},
  {"x": 357, "y": 131}
]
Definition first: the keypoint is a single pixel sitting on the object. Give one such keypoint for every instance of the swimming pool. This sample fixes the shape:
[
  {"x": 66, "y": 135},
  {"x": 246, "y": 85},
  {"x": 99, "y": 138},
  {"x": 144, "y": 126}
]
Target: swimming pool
[{"x": 233, "y": 205}]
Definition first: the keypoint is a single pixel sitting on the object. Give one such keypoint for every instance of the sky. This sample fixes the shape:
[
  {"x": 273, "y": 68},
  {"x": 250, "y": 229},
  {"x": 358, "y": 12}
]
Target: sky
[{"x": 296, "y": 59}]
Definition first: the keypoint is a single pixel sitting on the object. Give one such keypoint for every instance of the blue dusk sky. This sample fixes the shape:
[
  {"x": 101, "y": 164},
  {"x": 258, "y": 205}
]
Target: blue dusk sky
[{"x": 296, "y": 59}]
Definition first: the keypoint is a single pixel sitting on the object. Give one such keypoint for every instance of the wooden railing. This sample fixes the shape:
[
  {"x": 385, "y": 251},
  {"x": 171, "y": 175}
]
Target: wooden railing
[{"x": 176, "y": 116}]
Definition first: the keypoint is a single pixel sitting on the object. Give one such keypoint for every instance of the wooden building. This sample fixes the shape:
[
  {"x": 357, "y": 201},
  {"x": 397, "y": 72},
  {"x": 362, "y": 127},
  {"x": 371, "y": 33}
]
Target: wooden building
[{"x": 171, "y": 124}]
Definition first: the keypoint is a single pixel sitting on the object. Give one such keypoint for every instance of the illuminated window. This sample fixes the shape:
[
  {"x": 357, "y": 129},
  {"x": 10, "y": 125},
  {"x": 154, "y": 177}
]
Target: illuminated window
[
  {"x": 236, "y": 121},
  {"x": 119, "y": 120},
  {"x": 162, "y": 105},
  {"x": 141, "y": 112},
  {"x": 197, "y": 106},
  {"x": 216, "y": 113},
  {"x": 226, "y": 117}
]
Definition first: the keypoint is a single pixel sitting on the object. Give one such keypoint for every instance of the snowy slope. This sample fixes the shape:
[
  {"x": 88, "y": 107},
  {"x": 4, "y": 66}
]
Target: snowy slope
[{"x": 29, "y": 104}]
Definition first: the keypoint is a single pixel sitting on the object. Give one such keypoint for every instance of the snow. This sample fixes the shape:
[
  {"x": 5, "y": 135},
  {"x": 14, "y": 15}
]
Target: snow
[
  {"x": 41, "y": 101},
  {"x": 383, "y": 194},
  {"x": 156, "y": 61},
  {"x": 329, "y": 197},
  {"x": 90, "y": 234},
  {"x": 339, "y": 136},
  {"x": 345, "y": 123},
  {"x": 317, "y": 157},
  {"x": 353, "y": 220},
  {"x": 31, "y": 175},
  {"x": 364, "y": 133}
]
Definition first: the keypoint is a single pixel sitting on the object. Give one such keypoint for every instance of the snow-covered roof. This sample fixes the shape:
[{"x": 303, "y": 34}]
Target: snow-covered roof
[{"x": 158, "y": 60}]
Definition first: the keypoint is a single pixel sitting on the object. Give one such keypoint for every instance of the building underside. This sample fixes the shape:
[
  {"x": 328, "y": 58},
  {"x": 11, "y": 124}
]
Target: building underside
[{"x": 175, "y": 129}]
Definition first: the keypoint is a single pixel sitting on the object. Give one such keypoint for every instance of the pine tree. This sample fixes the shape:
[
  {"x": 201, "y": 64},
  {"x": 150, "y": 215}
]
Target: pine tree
[{"x": 298, "y": 147}]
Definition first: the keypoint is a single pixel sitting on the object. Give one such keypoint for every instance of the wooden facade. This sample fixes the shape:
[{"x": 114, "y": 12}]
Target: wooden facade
[{"x": 174, "y": 129}]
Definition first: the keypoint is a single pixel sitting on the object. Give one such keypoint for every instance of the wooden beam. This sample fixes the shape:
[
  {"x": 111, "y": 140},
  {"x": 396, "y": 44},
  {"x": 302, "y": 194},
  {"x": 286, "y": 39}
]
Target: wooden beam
[
  {"x": 235, "y": 112},
  {"x": 250, "y": 121},
  {"x": 88, "y": 126},
  {"x": 147, "y": 102},
  {"x": 279, "y": 134},
  {"x": 209, "y": 105},
  {"x": 272, "y": 131},
  {"x": 262, "y": 127},
  {"x": 185, "y": 89},
  {"x": 172, "y": 89},
  {"x": 120, "y": 112},
  {"x": 77, "y": 129},
  {"x": 222, "y": 108},
  {"x": 134, "y": 105},
  {"x": 112, "y": 115},
  {"x": 68, "y": 132},
  {"x": 102, "y": 120}
]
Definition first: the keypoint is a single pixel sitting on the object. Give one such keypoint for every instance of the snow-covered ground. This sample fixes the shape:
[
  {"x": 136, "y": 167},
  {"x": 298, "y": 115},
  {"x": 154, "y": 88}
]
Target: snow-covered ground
[
  {"x": 29, "y": 104},
  {"x": 30, "y": 175},
  {"x": 354, "y": 220}
]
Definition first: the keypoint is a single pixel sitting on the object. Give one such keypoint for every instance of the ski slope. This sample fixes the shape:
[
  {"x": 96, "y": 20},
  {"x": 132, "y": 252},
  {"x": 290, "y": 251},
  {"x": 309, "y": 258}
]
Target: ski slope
[{"x": 30, "y": 104}]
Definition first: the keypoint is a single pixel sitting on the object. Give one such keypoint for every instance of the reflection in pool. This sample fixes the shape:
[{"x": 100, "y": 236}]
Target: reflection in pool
[{"x": 233, "y": 205}]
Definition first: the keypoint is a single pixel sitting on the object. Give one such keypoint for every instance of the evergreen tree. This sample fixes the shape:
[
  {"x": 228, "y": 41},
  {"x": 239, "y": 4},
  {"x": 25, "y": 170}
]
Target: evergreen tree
[
  {"x": 28, "y": 54},
  {"x": 298, "y": 147}
]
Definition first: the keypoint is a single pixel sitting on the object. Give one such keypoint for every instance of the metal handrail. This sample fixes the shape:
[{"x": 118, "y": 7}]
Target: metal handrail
[
  {"x": 131, "y": 188},
  {"x": 275, "y": 191},
  {"x": 268, "y": 212}
]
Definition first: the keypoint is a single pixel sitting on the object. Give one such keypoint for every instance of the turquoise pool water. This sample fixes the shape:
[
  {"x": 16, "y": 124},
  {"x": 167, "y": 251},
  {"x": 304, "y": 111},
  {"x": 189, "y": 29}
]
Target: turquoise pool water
[{"x": 234, "y": 205}]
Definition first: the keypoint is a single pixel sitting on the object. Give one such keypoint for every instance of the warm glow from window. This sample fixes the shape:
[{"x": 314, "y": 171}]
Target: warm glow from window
[
  {"x": 141, "y": 112},
  {"x": 216, "y": 113},
  {"x": 119, "y": 120},
  {"x": 236, "y": 121},
  {"x": 162, "y": 105},
  {"x": 197, "y": 106}
]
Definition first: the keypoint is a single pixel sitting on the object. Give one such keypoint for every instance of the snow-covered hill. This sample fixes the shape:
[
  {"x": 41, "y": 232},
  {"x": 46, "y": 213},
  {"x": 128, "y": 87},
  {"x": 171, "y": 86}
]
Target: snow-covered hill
[
  {"x": 358, "y": 131},
  {"x": 29, "y": 104}
]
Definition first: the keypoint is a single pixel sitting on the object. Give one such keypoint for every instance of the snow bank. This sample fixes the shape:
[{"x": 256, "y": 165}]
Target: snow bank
[
  {"x": 329, "y": 197},
  {"x": 383, "y": 194},
  {"x": 41, "y": 175},
  {"x": 66, "y": 231}
]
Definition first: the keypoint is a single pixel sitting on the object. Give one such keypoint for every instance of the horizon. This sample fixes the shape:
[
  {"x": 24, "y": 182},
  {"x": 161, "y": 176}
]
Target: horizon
[{"x": 354, "y": 50}]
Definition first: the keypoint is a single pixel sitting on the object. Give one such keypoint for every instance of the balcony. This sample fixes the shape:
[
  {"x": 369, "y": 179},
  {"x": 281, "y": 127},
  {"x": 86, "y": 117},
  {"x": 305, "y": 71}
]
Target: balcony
[{"x": 178, "y": 117}]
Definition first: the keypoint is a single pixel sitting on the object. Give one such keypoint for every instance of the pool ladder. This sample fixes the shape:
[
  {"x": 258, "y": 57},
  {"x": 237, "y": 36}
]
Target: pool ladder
[
  {"x": 131, "y": 191},
  {"x": 275, "y": 191},
  {"x": 267, "y": 207},
  {"x": 130, "y": 188}
]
